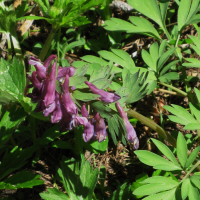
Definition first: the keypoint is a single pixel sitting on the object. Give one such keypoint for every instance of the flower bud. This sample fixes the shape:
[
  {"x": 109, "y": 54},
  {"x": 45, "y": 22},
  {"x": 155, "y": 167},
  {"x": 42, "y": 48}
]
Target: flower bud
[
  {"x": 131, "y": 134},
  {"x": 105, "y": 96}
]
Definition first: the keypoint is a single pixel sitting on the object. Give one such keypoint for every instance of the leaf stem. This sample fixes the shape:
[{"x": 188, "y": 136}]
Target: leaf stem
[
  {"x": 191, "y": 170},
  {"x": 167, "y": 91},
  {"x": 174, "y": 88},
  {"x": 47, "y": 43},
  {"x": 151, "y": 124}
]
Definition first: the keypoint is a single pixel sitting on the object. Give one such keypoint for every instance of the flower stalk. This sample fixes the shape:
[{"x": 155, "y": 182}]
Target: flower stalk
[{"x": 47, "y": 43}]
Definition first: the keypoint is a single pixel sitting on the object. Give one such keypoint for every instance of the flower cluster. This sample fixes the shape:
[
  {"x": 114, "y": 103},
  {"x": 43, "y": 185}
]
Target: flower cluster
[{"x": 62, "y": 108}]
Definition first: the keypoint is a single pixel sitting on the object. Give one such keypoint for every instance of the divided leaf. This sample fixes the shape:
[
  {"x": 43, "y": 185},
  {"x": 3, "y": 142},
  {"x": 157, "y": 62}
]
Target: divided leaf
[
  {"x": 166, "y": 151},
  {"x": 142, "y": 26},
  {"x": 180, "y": 115},
  {"x": 156, "y": 161}
]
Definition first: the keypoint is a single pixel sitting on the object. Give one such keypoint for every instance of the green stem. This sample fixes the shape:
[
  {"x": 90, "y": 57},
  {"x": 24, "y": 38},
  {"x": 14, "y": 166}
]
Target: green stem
[
  {"x": 13, "y": 141},
  {"x": 47, "y": 43},
  {"x": 191, "y": 170},
  {"x": 198, "y": 133},
  {"x": 16, "y": 45},
  {"x": 176, "y": 45},
  {"x": 94, "y": 196},
  {"x": 151, "y": 124},
  {"x": 166, "y": 33},
  {"x": 58, "y": 43},
  {"x": 9, "y": 46},
  {"x": 174, "y": 88}
]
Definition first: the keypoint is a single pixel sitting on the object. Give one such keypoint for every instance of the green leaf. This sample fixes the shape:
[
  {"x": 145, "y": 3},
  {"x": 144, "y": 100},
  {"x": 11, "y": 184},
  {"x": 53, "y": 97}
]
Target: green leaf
[
  {"x": 169, "y": 76},
  {"x": 143, "y": 26},
  {"x": 192, "y": 157},
  {"x": 196, "y": 41},
  {"x": 163, "y": 9},
  {"x": 193, "y": 192},
  {"x": 162, "y": 48},
  {"x": 67, "y": 47},
  {"x": 125, "y": 56},
  {"x": 122, "y": 192},
  {"x": 94, "y": 59},
  {"x": 192, "y": 126},
  {"x": 193, "y": 63},
  {"x": 148, "y": 60},
  {"x": 166, "y": 151},
  {"x": 96, "y": 147},
  {"x": 50, "y": 135},
  {"x": 12, "y": 118},
  {"x": 135, "y": 86},
  {"x": 182, "y": 116},
  {"x": 117, "y": 128},
  {"x": 149, "y": 8},
  {"x": 54, "y": 194},
  {"x": 197, "y": 92},
  {"x": 181, "y": 149},
  {"x": 120, "y": 60},
  {"x": 164, "y": 58},
  {"x": 14, "y": 160},
  {"x": 84, "y": 96},
  {"x": 185, "y": 188},
  {"x": 168, "y": 195},
  {"x": 195, "y": 179},
  {"x": 62, "y": 145},
  {"x": 153, "y": 188},
  {"x": 183, "y": 11},
  {"x": 154, "y": 52},
  {"x": 75, "y": 182},
  {"x": 11, "y": 73},
  {"x": 161, "y": 179},
  {"x": 22, "y": 179},
  {"x": 167, "y": 67},
  {"x": 156, "y": 161}
]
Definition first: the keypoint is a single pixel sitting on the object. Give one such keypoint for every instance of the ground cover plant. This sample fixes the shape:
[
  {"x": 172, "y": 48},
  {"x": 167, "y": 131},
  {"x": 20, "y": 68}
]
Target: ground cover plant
[{"x": 100, "y": 99}]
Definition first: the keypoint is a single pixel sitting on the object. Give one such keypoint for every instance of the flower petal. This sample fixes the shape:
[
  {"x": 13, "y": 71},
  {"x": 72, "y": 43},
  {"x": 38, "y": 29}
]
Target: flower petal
[
  {"x": 48, "y": 61},
  {"x": 68, "y": 103},
  {"x": 49, "y": 97}
]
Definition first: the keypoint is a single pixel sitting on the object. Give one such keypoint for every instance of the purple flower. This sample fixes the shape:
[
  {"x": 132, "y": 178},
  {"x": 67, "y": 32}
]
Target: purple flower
[
  {"x": 100, "y": 128},
  {"x": 84, "y": 111},
  {"x": 49, "y": 97},
  {"x": 40, "y": 69},
  {"x": 131, "y": 134},
  {"x": 62, "y": 72},
  {"x": 88, "y": 130},
  {"x": 48, "y": 61},
  {"x": 57, "y": 113},
  {"x": 65, "y": 122},
  {"x": 105, "y": 96},
  {"x": 67, "y": 100}
]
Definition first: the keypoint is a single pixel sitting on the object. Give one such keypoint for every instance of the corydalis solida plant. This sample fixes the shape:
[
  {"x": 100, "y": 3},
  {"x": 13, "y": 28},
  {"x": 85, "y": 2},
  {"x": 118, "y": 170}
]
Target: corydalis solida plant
[{"x": 62, "y": 108}]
